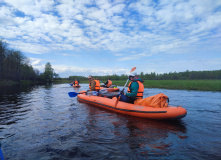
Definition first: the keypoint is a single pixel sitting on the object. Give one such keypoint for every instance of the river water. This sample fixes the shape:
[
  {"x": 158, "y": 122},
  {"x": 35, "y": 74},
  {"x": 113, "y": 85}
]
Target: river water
[{"x": 44, "y": 123}]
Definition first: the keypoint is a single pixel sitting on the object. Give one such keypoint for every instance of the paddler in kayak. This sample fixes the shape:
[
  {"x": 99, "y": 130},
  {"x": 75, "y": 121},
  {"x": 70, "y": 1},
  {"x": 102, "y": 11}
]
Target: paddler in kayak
[
  {"x": 76, "y": 82},
  {"x": 108, "y": 83},
  {"x": 135, "y": 89},
  {"x": 94, "y": 85}
]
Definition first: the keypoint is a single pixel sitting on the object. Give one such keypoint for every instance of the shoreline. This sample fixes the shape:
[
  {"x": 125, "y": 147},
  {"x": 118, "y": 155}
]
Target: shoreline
[{"x": 197, "y": 85}]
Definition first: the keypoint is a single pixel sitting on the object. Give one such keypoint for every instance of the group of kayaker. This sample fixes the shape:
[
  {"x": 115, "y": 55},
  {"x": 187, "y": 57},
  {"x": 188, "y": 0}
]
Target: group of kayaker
[
  {"x": 155, "y": 107},
  {"x": 135, "y": 88}
]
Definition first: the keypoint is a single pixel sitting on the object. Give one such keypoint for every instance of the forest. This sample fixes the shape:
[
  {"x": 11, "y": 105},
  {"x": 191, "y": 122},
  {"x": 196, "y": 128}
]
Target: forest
[
  {"x": 187, "y": 75},
  {"x": 15, "y": 66}
]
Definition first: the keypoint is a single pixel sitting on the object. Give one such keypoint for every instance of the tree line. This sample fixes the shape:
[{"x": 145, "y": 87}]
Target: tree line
[
  {"x": 187, "y": 75},
  {"x": 15, "y": 66}
]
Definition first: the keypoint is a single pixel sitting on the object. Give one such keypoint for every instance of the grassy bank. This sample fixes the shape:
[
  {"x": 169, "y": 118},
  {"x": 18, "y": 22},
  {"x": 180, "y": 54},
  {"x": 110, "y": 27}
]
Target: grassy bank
[
  {"x": 28, "y": 82},
  {"x": 202, "y": 85},
  {"x": 7, "y": 83}
]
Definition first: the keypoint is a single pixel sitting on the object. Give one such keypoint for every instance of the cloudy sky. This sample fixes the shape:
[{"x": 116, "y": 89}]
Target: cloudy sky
[{"x": 101, "y": 37}]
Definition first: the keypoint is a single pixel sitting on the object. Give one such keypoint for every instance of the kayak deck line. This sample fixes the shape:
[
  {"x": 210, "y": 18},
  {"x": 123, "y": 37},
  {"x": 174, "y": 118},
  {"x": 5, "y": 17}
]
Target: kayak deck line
[
  {"x": 170, "y": 112},
  {"x": 96, "y": 103}
]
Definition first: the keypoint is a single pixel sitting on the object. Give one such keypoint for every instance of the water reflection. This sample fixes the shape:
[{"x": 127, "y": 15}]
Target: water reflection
[
  {"x": 147, "y": 135},
  {"x": 142, "y": 136},
  {"x": 13, "y": 106}
]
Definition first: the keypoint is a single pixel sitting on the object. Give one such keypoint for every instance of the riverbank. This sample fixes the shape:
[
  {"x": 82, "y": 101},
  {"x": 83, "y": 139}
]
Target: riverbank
[
  {"x": 7, "y": 83},
  {"x": 200, "y": 85},
  {"x": 28, "y": 82},
  {"x": 22, "y": 82}
]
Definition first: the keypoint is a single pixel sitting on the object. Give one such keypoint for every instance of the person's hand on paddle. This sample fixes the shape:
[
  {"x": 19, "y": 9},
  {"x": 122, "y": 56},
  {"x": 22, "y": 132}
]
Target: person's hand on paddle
[{"x": 118, "y": 95}]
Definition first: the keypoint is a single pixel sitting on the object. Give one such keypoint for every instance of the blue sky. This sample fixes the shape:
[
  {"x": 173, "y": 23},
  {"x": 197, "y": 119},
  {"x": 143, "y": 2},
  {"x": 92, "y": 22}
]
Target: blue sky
[{"x": 101, "y": 37}]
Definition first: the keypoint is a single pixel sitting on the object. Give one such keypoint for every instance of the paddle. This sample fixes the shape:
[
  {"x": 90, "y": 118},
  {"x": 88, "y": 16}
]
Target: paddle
[
  {"x": 73, "y": 94},
  {"x": 133, "y": 69},
  {"x": 1, "y": 154}
]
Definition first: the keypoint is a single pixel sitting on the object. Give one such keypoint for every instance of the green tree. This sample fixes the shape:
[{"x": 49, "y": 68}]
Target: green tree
[
  {"x": 48, "y": 73},
  {"x": 56, "y": 76},
  {"x": 3, "y": 49}
]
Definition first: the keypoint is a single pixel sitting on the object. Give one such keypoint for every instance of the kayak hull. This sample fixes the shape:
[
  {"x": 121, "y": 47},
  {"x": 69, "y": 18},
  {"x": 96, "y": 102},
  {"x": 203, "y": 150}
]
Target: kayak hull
[
  {"x": 110, "y": 89},
  {"x": 77, "y": 86},
  {"x": 134, "y": 110}
]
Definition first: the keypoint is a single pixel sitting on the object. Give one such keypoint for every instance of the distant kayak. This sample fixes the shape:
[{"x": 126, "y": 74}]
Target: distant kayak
[
  {"x": 169, "y": 112},
  {"x": 76, "y": 86}
]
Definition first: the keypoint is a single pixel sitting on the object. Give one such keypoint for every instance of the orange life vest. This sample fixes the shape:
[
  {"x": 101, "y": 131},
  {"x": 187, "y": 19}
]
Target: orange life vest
[
  {"x": 76, "y": 83},
  {"x": 109, "y": 83},
  {"x": 97, "y": 85},
  {"x": 140, "y": 89}
]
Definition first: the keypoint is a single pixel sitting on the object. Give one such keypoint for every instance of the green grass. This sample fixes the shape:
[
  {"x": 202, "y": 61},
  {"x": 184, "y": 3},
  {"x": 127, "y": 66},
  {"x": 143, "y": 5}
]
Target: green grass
[
  {"x": 202, "y": 85},
  {"x": 7, "y": 83}
]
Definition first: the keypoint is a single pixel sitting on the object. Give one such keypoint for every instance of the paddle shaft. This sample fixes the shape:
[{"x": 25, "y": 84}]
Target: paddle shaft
[
  {"x": 133, "y": 69},
  {"x": 125, "y": 84},
  {"x": 120, "y": 95}
]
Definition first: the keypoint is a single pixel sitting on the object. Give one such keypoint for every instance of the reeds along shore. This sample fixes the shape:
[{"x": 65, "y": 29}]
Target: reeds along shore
[{"x": 202, "y": 85}]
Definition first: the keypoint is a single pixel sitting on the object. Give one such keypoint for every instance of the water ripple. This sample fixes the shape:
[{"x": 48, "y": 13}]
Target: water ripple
[{"x": 42, "y": 122}]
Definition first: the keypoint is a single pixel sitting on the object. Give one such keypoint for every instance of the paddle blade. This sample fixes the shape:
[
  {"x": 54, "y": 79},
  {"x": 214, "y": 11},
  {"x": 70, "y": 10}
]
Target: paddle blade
[
  {"x": 72, "y": 94},
  {"x": 133, "y": 69}
]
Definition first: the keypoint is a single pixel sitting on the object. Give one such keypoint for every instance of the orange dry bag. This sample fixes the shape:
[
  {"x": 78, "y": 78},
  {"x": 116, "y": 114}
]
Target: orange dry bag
[{"x": 156, "y": 101}]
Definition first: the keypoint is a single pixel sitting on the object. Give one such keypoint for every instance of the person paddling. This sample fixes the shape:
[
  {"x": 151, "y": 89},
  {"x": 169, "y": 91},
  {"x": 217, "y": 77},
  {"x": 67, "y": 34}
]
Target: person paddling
[
  {"x": 135, "y": 89},
  {"x": 76, "y": 82},
  {"x": 108, "y": 83},
  {"x": 94, "y": 85}
]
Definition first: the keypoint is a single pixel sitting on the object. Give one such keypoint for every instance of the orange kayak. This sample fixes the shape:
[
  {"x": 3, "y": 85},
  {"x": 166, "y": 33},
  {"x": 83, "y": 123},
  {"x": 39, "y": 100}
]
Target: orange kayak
[
  {"x": 110, "y": 89},
  {"x": 76, "y": 86},
  {"x": 169, "y": 112}
]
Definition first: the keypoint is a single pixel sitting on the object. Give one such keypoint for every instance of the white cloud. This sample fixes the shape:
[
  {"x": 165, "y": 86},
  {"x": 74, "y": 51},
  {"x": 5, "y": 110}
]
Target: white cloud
[
  {"x": 135, "y": 56},
  {"x": 67, "y": 10},
  {"x": 35, "y": 61},
  {"x": 118, "y": 26},
  {"x": 32, "y": 8},
  {"x": 80, "y": 71},
  {"x": 115, "y": 9},
  {"x": 103, "y": 4},
  {"x": 117, "y": 20}
]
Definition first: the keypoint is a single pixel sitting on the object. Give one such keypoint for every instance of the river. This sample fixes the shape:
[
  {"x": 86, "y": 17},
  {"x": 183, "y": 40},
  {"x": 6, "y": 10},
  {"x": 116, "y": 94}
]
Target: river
[{"x": 44, "y": 123}]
